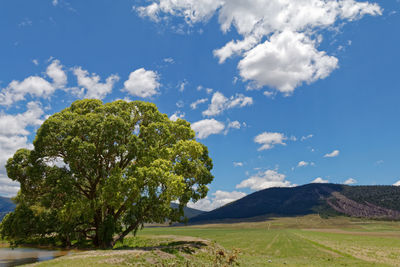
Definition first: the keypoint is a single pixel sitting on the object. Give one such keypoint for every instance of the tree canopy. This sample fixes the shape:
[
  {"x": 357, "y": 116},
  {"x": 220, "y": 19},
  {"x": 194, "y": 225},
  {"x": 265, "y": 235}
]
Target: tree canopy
[{"x": 100, "y": 171}]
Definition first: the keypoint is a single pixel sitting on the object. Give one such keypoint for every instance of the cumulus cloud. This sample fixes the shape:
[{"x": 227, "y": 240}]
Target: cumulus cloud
[
  {"x": 192, "y": 10},
  {"x": 8, "y": 188},
  {"x": 304, "y": 138},
  {"x": 219, "y": 103},
  {"x": 268, "y": 140},
  {"x": 280, "y": 41},
  {"x": 205, "y": 128},
  {"x": 397, "y": 183},
  {"x": 182, "y": 86},
  {"x": 319, "y": 180},
  {"x": 285, "y": 61},
  {"x": 198, "y": 102},
  {"x": 208, "y": 90},
  {"x": 180, "y": 104},
  {"x": 266, "y": 179},
  {"x": 57, "y": 74},
  {"x": 333, "y": 154},
  {"x": 177, "y": 115},
  {"x": 142, "y": 83},
  {"x": 16, "y": 124},
  {"x": 350, "y": 181},
  {"x": 234, "y": 125},
  {"x": 238, "y": 164},
  {"x": 91, "y": 85},
  {"x": 218, "y": 199},
  {"x": 269, "y": 94},
  {"x": 169, "y": 60},
  {"x": 304, "y": 163},
  {"x": 34, "y": 86},
  {"x": 13, "y": 136}
]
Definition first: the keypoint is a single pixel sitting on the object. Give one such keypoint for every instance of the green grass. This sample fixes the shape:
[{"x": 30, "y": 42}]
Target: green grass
[
  {"x": 146, "y": 251},
  {"x": 299, "y": 241},
  {"x": 338, "y": 241}
]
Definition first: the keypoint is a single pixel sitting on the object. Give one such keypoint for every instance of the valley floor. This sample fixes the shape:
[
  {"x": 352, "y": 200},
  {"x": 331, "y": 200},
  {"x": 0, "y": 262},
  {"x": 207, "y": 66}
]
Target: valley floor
[{"x": 298, "y": 241}]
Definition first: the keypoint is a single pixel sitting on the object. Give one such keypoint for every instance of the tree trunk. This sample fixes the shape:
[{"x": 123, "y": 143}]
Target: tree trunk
[{"x": 121, "y": 236}]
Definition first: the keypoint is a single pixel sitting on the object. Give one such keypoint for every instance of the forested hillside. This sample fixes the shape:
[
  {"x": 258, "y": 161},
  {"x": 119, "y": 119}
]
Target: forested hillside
[{"x": 379, "y": 202}]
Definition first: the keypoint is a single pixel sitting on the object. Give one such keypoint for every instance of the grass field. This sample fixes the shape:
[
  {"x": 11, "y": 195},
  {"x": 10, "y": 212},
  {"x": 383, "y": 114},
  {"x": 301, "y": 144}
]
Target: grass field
[{"x": 299, "y": 241}]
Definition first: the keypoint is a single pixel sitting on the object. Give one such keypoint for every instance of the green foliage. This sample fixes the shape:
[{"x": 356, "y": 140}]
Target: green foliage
[
  {"x": 99, "y": 171},
  {"x": 380, "y": 195}
]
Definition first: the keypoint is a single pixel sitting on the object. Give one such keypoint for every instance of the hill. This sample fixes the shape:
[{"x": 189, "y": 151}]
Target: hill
[
  {"x": 6, "y": 205},
  {"x": 189, "y": 212},
  {"x": 375, "y": 202}
]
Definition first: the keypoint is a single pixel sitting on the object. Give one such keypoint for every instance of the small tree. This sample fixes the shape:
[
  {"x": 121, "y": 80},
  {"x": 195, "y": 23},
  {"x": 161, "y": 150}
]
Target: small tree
[{"x": 100, "y": 171}]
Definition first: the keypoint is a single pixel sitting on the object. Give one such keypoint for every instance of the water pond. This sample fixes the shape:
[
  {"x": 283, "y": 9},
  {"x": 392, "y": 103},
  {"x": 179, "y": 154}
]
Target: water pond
[{"x": 18, "y": 256}]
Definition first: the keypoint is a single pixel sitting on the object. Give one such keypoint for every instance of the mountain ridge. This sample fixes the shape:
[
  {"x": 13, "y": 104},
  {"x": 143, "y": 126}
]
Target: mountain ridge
[
  {"x": 374, "y": 202},
  {"x": 6, "y": 206}
]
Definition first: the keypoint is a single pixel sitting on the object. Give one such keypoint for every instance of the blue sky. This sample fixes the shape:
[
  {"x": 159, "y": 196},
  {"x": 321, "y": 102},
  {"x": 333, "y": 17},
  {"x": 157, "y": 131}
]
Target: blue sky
[{"x": 283, "y": 93}]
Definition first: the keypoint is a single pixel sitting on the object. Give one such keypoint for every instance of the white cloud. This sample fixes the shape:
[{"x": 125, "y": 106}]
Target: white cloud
[
  {"x": 54, "y": 2},
  {"x": 192, "y": 10},
  {"x": 266, "y": 179},
  {"x": 350, "y": 181},
  {"x": 235, "y": 47},
  {"x": 142, "y": 83},
  {"x": 198, "y": 102},
  {"x": 217, "y": 200},
  {"x": 13, "y": 136},
  {"x": 303, "y": 164},
  {"x": 268, "y": 140},
  {"x": 217, "y": 106},
  {"x": 285, "y": 61},
  {"x": 319, "y": 180},
  {"x": 205, "y": 128},
  {"x": 56, "y": 73},
  {"x": 304, "y": 138},
  {"x": 208, "y": 90},
  {"x": 169, "y": 60},
  {"x": 35, "y": 86},
  {"x": 182, "y": 86},
  {"x": 219, "y": 103},
  {"x": 8, "y": 188},
  {"x": 94, "y": 88},
  {"x": 269, "y": 94},
  {"x": 333, "y": 154},
  {"x": 238, "y": 164},
  {"x": 35, "y": 61},
  {"x": 177, "y": 115},
  {"x": 280, "y": 41},
  {"x": 234, "y": 125},
  {"x": 397, "y": 183},
  {"x": 16, "y": 124}
]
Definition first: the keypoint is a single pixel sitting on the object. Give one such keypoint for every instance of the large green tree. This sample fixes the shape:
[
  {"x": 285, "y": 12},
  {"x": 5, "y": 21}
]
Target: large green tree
[{"x": 100, "y": 171}]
